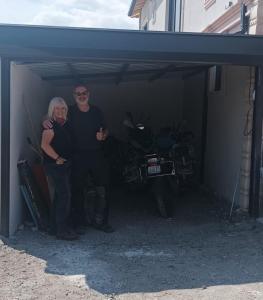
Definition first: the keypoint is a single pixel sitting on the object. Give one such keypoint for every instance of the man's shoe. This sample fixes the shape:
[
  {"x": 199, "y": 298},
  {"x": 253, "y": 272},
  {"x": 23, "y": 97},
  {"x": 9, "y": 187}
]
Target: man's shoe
[
  {"x": 104, "y": 227},
  {"x": 67, "y": 236}
]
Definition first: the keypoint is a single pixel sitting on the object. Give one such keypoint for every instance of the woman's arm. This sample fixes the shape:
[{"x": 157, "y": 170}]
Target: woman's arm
[{"x": 47, "y": 137}]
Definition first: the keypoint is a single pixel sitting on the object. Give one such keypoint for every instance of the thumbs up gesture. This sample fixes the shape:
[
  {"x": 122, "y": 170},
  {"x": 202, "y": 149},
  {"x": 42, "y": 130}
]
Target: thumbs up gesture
[{"x": 101, "y": 135}]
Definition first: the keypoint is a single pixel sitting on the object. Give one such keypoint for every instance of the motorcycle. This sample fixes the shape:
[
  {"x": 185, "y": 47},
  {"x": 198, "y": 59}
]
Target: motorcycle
[{"x": 149, "y": 165}]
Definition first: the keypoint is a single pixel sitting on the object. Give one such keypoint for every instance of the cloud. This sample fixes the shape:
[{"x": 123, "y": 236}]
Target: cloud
[{"x": 82, "y": 13}]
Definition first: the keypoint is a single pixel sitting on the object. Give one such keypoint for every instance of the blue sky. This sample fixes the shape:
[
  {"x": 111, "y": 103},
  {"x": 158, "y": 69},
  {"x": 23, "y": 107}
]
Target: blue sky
[{"x": 80, "y": 13}]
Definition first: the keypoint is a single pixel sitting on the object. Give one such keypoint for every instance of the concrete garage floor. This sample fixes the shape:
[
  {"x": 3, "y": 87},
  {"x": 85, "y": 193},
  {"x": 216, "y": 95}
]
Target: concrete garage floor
[{"x": 196, "y": 255}]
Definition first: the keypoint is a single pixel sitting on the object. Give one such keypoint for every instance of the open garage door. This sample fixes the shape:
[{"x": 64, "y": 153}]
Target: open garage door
[
  {"x": 157, "y": 98},
  {"x": 157, "y": 74}
]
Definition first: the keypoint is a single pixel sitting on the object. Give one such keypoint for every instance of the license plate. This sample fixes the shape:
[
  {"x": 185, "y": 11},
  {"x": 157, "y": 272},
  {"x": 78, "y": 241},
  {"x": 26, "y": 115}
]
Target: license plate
[
  {"x": 152, "y": 160},
  {"x": 154, "y": 170}
]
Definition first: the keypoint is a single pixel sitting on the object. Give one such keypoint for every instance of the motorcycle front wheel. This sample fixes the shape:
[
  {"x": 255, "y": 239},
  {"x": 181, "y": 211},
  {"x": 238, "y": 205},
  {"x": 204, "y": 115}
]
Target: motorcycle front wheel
[{"x": 163, "y": 201}]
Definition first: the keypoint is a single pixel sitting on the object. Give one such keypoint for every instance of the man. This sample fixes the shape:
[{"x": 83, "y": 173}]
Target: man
[{"x": 88, "y": 131}]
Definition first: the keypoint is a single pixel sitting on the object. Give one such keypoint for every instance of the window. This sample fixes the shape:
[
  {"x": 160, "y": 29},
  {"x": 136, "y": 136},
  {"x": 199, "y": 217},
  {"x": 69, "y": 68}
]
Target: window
[{"x": 208, "y": 3}]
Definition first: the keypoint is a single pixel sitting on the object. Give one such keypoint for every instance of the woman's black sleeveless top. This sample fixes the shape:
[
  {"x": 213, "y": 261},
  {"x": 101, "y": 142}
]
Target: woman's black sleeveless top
[{"x": 61, "y": 142}]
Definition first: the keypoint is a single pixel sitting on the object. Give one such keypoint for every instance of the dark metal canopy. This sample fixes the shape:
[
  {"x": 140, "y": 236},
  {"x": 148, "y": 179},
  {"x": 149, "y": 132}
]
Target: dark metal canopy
[{"x": 62, "y": 44}]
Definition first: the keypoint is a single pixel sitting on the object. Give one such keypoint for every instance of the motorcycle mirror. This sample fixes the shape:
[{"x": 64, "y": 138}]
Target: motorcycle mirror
[{"x": 140, "y": 126}]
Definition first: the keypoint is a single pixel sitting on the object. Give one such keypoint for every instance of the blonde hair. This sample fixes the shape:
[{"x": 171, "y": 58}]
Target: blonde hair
[{"x": 53, "y": 103}]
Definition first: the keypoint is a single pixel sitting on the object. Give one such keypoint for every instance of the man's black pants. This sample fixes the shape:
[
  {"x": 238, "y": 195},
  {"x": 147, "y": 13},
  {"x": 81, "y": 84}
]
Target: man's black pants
[{"x": 90, "y": 166}]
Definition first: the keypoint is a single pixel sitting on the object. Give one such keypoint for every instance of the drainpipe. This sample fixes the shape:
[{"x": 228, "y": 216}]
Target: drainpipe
[
  {"x": 174, "y": 15},
  {"x": 171, "y": 15},
  {"x": 244, "y": 20},
  {"x": 255, "y": 203},
  {"x": 5, "y": 146}
]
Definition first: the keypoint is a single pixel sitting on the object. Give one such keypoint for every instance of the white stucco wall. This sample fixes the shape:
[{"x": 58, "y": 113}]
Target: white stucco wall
[
  {"x": 219, "y": 17},
  {"x": 161, "y": 101},
  {"x": 226, "y": 122},
  {"x": 196, "y": 18},
  {"x": 154, "y": 13},
  {"x": 27, "y": 90},
  {"x": 258, "y": 14}
]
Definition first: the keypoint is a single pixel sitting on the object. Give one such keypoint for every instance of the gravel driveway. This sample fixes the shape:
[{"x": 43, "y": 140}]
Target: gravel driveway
[{"x": 195, "y": 255}]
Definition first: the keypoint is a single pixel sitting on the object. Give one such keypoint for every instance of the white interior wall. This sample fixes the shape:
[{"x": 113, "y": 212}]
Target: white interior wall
[
  {"x": 227, "y": 111},
  {"x": 226, "y": 121},
  {"x": 28, "y": 93},
  {"x": 161, "y": 101}
]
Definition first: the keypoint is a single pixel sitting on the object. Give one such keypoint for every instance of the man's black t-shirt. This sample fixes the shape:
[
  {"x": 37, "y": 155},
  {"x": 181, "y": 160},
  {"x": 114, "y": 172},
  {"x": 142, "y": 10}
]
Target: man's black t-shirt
[{"x": 84, "y": 126}]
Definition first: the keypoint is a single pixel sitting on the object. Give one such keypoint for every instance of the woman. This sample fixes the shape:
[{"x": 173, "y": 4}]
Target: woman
[{"x": 56, "y": 144}]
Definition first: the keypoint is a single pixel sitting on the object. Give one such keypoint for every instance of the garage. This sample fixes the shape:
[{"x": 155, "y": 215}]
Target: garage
[{"x": 210, "y": 82}]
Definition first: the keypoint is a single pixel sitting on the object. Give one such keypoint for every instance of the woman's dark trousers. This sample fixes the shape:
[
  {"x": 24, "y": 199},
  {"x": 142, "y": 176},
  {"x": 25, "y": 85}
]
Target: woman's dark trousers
[{"x": 59, "y": 175}]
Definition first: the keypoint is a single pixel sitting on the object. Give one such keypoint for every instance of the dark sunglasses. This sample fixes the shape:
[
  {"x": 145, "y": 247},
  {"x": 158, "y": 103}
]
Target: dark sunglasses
[{"x": 81, "y": 94}]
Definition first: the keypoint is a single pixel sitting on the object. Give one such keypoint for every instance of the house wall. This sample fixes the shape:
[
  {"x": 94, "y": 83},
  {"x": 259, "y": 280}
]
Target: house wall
[
  {"x": 227, "y": 111},
  {"x": 257, "y": 21},
  {"x": 159, "y": 103},
  {"x": 216, "y": 16},
  {"x": 196, "y": 17},
  {"x": 29, "y": 99},
  {"x": 154, "y": 13},
  {"x": 219, "y": 16}
]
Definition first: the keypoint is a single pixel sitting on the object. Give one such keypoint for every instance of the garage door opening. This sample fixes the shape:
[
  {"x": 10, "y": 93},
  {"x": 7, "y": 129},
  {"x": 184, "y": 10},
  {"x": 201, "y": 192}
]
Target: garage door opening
[
  {"x": 212, "y": 102},
  {"x": 227, "y": 116}
]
